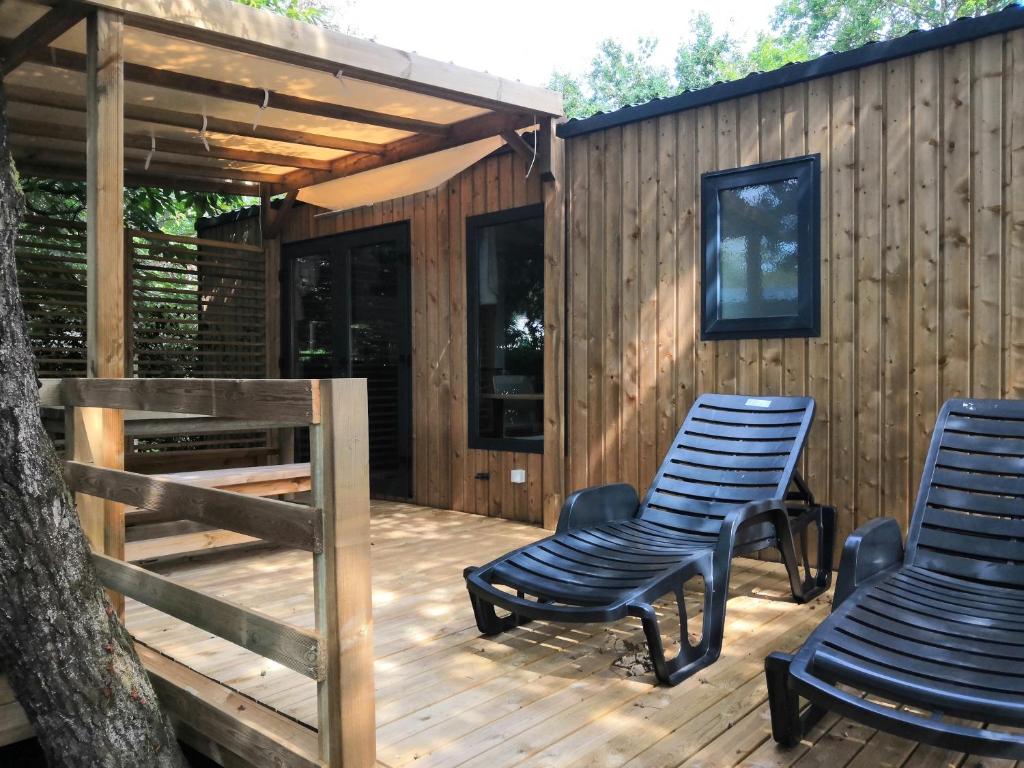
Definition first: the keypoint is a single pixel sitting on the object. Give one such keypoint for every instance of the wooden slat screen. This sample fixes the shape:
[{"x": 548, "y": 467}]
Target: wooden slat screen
[
  {"x": 197, "y": 310},
  {"x": 50, "y": 258}
]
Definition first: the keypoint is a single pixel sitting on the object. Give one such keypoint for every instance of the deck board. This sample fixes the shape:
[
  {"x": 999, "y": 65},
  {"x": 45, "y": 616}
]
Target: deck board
[{"x": 542, "y": 695}]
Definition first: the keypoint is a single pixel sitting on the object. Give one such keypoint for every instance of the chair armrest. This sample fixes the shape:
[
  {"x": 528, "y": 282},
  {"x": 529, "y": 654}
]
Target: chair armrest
[
  {"x": 874, "y": 547},
  {"x": 597, "y": 505},
  {"x": 772, "y": 511}
]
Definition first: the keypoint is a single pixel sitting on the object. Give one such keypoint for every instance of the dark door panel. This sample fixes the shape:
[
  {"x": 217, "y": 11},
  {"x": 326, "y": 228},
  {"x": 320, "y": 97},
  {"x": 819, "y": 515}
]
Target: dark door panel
[{"x": 347, "y": 315}]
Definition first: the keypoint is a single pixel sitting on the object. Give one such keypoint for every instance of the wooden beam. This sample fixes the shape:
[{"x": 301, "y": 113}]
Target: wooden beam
[
  {"x": 339, "y": 453},
  {"x": 551, "y": 151},
  {"x": 33, "y": 154},
  {"x": 199, "y": 425},
  {"x": 288, "y": 401},
  {"x": 226, "y": 25},
  {"x": 105, "y": 266},
  {"x": 39, "y": 34},
  {"x": 199, "y": 242},
  {"x": 294, "y": 647},
  {"x": 250, "y": 480},
  {"x": 465, "y": 132},
  {"x": 217, "y": 89},
  {"x": 19, "y": 94},
  {"x": 23, "y": 129},
  {"x": 48, "y": 171},
  {"x": 257, "y": 734},
  {"x": 280, "y": 215},
  {"x": 519, "y": 146},
  {"x": 280, "y": 522},
  {"x": 553, "y": 484}
]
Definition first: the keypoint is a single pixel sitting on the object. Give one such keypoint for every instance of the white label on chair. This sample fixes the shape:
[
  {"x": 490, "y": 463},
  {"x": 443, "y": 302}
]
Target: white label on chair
[{"x": 756, "y": 403}]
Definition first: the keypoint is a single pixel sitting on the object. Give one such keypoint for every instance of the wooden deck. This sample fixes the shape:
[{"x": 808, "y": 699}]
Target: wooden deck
[{"x": 542, "y": 695}]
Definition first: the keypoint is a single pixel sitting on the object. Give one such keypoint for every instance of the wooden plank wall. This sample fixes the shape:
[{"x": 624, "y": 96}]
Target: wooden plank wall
[
  {"x": 444, "y": 468},
  {"x": 922, "y": 253}
]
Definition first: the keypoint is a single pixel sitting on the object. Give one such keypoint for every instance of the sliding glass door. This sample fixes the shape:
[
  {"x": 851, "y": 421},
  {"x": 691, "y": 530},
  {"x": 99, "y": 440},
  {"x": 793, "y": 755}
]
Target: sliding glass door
[{"x": 348, "y": 316}]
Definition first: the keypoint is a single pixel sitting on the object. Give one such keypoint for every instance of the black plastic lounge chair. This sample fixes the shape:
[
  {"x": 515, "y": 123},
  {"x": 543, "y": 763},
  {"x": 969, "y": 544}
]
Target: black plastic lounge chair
[
  {"x": 723, "y": 489},
  {"x": 938, "y": 628}
]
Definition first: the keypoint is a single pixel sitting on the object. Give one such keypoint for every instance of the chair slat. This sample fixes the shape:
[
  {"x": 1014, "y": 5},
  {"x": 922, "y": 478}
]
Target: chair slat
[
  {"x": 700, "y": 426},
  {"x": 1001, "y": 426},
  {"x": 739, "y": 461}
]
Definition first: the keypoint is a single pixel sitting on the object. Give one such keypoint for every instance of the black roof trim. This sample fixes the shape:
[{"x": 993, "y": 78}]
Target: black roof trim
[
  {"x": 239, "y": 214},
  {"x": 959, "y": 31}
]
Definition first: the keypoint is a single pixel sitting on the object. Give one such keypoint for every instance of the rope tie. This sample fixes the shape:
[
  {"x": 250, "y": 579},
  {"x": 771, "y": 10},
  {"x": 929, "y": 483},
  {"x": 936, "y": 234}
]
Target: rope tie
[
  {"x": 260, "y": 108},
  {"x": 534, "y": 158},
  {"x": 202, "y": 133},
  {"x": 152, "y": 149}
]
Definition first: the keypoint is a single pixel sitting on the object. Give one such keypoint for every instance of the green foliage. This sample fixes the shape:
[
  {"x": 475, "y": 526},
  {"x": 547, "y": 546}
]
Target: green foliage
[
  {"x": 802, "y": 29},
  {"x": 617, "y": 76},
  {"x": 707, "y": 59},
  {"x": 840, "y": 25},
  {"x": 145, "y": 208},
  {"x": 309, "y": 11}
]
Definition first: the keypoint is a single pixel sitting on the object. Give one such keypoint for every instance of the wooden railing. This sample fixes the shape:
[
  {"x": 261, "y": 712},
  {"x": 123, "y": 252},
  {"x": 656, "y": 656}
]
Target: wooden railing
[{"x": 334, "y": 528}]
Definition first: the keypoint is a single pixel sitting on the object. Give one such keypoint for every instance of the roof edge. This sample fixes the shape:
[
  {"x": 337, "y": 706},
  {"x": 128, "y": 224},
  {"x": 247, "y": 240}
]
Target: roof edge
[
  {"x": 960, "y": 31},
  {"x": 238, "y": 214}
]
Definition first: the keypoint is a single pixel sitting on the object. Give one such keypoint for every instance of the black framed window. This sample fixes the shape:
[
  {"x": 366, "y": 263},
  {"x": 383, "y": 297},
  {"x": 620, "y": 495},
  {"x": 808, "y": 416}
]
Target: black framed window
[
  {"x": 761, "y": 242},
  {"x": 505, "y": 281}
]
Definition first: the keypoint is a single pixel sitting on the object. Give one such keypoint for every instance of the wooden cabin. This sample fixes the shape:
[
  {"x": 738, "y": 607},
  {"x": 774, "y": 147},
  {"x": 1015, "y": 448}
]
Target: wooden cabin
[
  {"x": 533, "y": 305},
  {"x": 918, "y": 239}
]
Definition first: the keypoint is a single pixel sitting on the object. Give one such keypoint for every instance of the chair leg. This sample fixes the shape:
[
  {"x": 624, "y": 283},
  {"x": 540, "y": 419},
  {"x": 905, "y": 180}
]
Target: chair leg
[
  {"x": 783, "y": 700},
  {"x": 487, "y": 619},
  {"x": 810, "y": 584},
  {"x": 788, "y": 724},
  {"x": 690, "y": 658}
]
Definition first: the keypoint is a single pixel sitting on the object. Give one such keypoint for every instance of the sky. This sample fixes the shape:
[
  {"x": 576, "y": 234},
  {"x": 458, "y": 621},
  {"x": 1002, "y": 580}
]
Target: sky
[{"x": 527, "y": 41}]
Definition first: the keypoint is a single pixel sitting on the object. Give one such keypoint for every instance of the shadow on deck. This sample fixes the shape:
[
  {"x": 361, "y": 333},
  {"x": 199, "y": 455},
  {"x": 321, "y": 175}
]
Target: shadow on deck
[{"x": 542, "y": 695}]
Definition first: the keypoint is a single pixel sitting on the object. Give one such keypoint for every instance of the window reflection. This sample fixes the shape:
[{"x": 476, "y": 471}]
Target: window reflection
[
  {"x": 509, "y": 325},
  {"x": 759, "y": 269},
  {"x": 313, "y": 314}
]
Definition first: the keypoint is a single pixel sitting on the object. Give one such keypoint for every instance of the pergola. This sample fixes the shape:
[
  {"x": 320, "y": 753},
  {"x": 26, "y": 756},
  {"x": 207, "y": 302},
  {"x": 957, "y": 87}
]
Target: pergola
[{"x": 215, "y": 96}]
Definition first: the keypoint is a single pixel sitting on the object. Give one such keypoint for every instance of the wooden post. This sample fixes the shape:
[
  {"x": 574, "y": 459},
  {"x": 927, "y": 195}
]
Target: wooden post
[
  {"x": 99, "y": 437},
  {"x": 281, "y": 439},
  {"x": 552, "y": 172},
  {"x": 339, "y": 453}
]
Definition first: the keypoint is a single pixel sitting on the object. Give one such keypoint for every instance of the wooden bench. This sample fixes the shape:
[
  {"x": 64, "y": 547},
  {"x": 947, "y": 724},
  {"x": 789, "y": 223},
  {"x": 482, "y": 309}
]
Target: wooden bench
[
  {"x": 256, "y": 481},
  {"x": 160, "y": 537}
]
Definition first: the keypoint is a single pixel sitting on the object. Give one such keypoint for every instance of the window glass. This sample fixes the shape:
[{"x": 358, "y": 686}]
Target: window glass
[
  {"x": 507, "y": 321},
  {"x": 759, "y": 267},
  {"x": 312, "y": 313}
]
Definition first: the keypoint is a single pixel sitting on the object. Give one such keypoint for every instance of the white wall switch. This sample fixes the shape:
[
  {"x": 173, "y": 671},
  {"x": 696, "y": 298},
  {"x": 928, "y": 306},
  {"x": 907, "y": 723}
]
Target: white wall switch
[{"x": 518, "y": 476}]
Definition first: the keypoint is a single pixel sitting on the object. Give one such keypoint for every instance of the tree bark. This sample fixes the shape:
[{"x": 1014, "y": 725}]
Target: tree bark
[{"x": 70, "y": 661}]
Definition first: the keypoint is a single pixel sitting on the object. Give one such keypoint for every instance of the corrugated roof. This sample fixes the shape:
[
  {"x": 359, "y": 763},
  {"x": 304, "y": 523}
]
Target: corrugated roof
[{"x": 917, "y": 41}]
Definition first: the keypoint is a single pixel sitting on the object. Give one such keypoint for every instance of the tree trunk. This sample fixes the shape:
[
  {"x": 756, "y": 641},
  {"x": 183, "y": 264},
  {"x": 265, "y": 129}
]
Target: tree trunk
[{"x": 69, "y": 660}]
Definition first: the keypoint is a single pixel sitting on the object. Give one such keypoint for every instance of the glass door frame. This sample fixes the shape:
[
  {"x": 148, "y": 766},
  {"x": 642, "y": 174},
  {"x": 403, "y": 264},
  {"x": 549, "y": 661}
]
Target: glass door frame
[{"x": 337, "y": 247}]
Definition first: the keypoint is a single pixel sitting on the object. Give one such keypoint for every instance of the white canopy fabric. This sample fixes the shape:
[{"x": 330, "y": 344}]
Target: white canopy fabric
[{"x": 392, "y": 181}]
